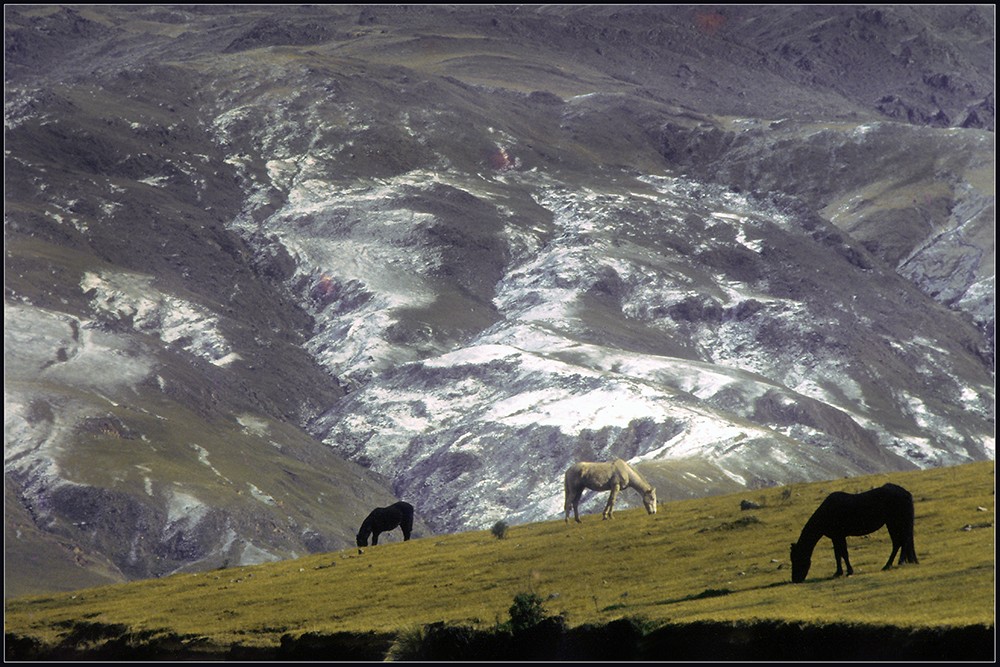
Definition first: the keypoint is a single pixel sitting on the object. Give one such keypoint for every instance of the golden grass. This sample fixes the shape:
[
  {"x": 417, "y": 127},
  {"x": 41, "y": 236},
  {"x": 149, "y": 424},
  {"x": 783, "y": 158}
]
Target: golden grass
[{"x": 702, "y": 559}]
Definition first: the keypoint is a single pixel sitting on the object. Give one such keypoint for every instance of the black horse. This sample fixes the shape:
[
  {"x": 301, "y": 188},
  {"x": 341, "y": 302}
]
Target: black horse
[
  {"x": 843, "y": 514},
  {"x": 382, "y": 519}
]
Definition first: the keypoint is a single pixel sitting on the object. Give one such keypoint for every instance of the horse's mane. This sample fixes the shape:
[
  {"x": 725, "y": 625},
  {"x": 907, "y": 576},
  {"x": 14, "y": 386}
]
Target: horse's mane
[
  {"x": 640, "y": 482},
  {"x": 366, "y": 526}
]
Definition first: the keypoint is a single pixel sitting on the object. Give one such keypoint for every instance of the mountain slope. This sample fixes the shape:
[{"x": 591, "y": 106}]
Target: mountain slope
[
  {"x": 722, "y": 561},
  {"x": 269, "y": 268}
]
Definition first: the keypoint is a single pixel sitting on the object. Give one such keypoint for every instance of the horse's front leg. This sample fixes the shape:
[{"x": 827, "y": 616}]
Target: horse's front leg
[
  {"x": 375, "y": 538},
  {"x": 840, "y": 552},
  {"x": 610, "y": 507},
  {"x": 837, "y": 557}
]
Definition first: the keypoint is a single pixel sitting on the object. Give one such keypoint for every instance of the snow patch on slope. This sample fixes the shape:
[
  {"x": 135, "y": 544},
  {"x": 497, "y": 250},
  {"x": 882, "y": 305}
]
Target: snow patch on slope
[
  {"x": 44, "y": 348},
  {"x": 131, "y": 298}
]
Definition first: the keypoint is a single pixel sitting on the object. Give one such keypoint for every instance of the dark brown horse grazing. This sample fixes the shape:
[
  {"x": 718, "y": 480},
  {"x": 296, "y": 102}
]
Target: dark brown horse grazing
[
  {"x": 382, "y": 519},
  {"x": 843, "y": 514}
]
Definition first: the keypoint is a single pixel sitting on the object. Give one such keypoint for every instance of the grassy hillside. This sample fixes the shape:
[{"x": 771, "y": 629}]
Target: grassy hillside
[{"x": 694, "y": 561}]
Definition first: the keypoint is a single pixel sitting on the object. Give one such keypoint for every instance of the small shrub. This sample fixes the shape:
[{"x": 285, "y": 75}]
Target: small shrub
[
  {"x": 526, "y": 612},
  {"x": 499, "y": 530}
]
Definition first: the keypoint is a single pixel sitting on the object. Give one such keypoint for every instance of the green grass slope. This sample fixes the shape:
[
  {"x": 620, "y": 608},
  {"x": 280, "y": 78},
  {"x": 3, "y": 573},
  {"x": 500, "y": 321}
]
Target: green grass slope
[{"x": 695, "y": 561}]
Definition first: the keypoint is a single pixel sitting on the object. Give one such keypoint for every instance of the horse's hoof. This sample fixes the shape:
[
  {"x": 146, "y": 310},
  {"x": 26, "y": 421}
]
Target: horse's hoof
[{"x": 361, "y": 551}]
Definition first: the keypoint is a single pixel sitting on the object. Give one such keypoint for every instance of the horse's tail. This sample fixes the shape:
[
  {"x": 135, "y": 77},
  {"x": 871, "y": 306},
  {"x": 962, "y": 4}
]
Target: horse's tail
[
  {"x": 407, "y": 522},
  {"x": 909, "y": 549},
  {"x": 572, "y": 488},
  {"x": 908, "y": 552}
]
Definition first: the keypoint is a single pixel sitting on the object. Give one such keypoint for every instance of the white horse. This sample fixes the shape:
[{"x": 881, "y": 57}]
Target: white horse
[{"x": 613, "y": 477}]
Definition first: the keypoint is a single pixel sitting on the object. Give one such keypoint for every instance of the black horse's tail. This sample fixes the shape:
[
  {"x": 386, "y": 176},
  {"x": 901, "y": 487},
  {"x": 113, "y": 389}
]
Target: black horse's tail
[
  {"x": 406, "y": 523},
  {"x": 909, "y": 551}
]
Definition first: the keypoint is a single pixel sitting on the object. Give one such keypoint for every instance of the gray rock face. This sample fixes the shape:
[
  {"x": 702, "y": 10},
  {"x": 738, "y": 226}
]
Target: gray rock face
[{"x": 268, "y": 268}]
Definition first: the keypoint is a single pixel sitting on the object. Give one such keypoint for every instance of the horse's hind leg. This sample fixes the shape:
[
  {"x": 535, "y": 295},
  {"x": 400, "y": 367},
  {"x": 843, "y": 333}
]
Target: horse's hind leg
[
  {"x": 573, "y": 502},
  {"x": 895, "y": 548},
  {"x": 902, "y": 538}
]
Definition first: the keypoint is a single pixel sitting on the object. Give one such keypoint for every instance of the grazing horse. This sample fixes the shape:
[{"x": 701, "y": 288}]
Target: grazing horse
[
  {"x": 613, "y": 476},
  {"x": 842, "y": 514},
  {"x": 382, "y": 519}
]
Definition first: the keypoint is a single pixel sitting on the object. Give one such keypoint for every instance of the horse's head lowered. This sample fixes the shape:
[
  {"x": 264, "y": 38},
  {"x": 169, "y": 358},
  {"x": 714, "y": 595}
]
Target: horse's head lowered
[
  {"x": 649, "y": 500},
  {"x": 801, "y": 557},
  {"x": 363, "y": 537}
]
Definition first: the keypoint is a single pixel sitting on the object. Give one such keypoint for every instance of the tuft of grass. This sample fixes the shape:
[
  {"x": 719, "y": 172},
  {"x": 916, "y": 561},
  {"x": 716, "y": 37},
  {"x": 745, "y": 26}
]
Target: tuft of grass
[
  {"x": 673, "y": 567},
  {"x": 711, "y": 593},
  {"x": 742, "y": 522}
]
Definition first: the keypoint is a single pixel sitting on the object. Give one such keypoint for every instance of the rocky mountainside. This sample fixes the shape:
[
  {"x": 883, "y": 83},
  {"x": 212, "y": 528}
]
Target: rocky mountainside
[{"x": 268, "y": 267}]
